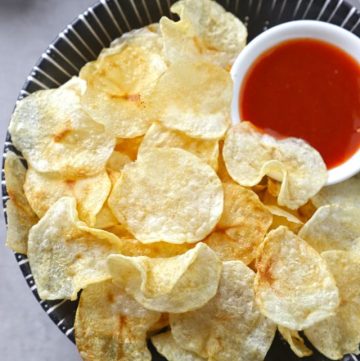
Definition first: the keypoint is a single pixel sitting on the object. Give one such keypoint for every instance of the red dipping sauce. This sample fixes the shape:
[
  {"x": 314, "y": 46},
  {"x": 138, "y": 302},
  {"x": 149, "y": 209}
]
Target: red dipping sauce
[{"x": 307, "y": 89}]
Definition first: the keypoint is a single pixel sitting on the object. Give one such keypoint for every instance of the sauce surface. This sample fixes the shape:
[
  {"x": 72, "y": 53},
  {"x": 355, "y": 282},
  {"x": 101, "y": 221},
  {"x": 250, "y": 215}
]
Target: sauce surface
[{"x": 307, "y": 89}]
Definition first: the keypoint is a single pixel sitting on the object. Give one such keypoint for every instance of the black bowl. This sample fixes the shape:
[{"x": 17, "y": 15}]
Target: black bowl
[{"x": 82, "y": 41}]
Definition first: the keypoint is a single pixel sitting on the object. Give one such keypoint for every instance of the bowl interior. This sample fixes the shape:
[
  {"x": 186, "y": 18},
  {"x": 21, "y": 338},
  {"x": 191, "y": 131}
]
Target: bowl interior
[{"x": 93, "y": 30}]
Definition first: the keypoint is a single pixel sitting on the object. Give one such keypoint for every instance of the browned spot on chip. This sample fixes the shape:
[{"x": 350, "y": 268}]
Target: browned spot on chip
[{"x": 60, "y": 136}]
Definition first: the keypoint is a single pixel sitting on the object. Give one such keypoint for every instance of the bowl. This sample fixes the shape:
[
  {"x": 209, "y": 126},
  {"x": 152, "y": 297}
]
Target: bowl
[
  {"x": 301, "y": 29},
  {"x": 82, "y": 40}
]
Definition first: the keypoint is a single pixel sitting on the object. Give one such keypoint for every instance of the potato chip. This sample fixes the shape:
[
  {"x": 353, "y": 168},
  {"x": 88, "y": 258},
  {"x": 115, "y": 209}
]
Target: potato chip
[
  {"x": 65, "y": 255},
  {"x": 293, "y": 285},
  {"x": 168, "y": 195},
  {"x": 295, "y": 341},
  {"x": 117, "y": 161},
  {"x": 105, "y": 218},
  {"x": 43, "y": 190},
  {"x": 162, "y": 323},
  {"x": 75, "y": 84},
  {"x": 112, "y": 326},
  {"x": 230, "y": 326},
  {"x": 176, "y": 284},
  {"x": 166, "y": 346},
  {"x": 148, "y": 38},
  {"x": 158, "y": 136},
  {"x": 194, "y": 98},
  {"x": 55, "y": 135},
  {"x": 250, "y": 154},
  {"x": 205, "y": 31},
  {"x": 333, "y": 227},
  {"x": 242, "y": 207},
  {"x": 117, "y": 85},
  {"x": 129, "y": 146},
  {"x": 340, "y": 334},
  {"x": 281, "y": 217},
  {"x": 222, "y": 171},
  {"x": 343, "y": 193},
  {"x": 20, "y": 216},
  {"x": 229, "y": 249},
  {"x": 132, "y": 247}
]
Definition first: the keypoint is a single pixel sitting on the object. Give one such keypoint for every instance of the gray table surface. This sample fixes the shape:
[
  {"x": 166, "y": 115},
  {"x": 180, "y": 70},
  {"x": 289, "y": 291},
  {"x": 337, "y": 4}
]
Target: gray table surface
[{"x": 26, "y": 28}]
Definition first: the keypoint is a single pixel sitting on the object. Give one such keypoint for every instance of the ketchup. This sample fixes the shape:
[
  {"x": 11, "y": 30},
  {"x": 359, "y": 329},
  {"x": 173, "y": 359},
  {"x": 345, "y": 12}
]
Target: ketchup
[{"x": 307, "y": 89}]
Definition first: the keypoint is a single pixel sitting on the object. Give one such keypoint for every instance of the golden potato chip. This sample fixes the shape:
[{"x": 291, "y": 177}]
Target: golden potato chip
[
  {"x": 20, "y": 216},
  {"x": 242, "y": 207},
  {"x": 132, "y": 247},
  {"x": 175, "y": 284},
  {"x": 281, "y": 217},
  {"x": 333, "y": 227},
  {"x": 229, "y": 249},
  {"x": 55, "y": 135},
  {"x": 340, "y": 334},
  {"x": 129, "y": 146},
  {"x": 295, "y": 341},
  {"x": 43, "y": 190},
  {"x": 117, "y": 85},
  {"x": 166, "y": 346},
  {"x": 169, "y": 195},
  {"x": 222, "y": 171},
  {"x": 343, "y": 193},
  {"x": 250, "y": 154},
  {"x": 75, "y": 84},
  {"x": 205, "y": 30},
  {"x": 293, "y": 285},
  {"x": 112, "y": 326},
  {"x": 158, "y": 136},
  {"x": 117, "y": 161},
  {"x": 230, "y": 326},
  {"x": 194, "y": 98},
  {"x": 65, "y": 255},
  {"x": 159, "y": 325},
  {"x": 105, "y": 218},
  {"x": 148, "y": 38}
]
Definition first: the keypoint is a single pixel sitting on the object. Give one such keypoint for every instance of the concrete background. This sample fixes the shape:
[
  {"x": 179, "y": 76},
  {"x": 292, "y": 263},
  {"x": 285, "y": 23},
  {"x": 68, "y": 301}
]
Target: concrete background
[{"x": 26, "y": 28}]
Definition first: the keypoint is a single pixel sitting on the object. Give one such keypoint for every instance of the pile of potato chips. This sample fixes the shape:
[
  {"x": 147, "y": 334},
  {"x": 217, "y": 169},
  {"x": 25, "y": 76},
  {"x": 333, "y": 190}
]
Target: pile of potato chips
[{"x": 177, "y": 227}]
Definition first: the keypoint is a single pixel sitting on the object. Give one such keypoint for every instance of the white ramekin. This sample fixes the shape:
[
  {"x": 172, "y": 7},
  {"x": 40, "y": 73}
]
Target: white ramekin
[{"x": 311, "y": 29}]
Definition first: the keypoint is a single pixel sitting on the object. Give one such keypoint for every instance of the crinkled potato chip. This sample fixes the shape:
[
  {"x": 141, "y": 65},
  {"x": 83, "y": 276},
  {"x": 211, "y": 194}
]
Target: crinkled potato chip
[
  {"x": 333, "y": 227},
  {"x": 250, "y": 154},
  {"x": 132, "y": 247},
  {"x": 281, "y": 217},
  {"x": 166, "y": 346},
  {"x": 66, "y": 255},
  {"x": 159, "y": 136},
  {"x": 112, "y": 326},
  {"x": 117, "y": 85},
  {"x": 205, "y": 31},
  {"x": 194, "y": 98},
  {"x": 55, "y": 135},
  {"x": 168, "y": 195},
  {"x": 340, "y": 334},
  {"x": 293, "y": 285},
  {"x": 105, "y": 218},
  {"x": 43, "y": 190},
  {"x": 242, "y": 207},
  {"x": 343, "y": 193},
  {"x": 295, "y": 341},
  {"x": 20, "y": 216},
  {"x": 176, "y": 284},
  {"x": 162, "y": 323},
  {"x": 230, "y": 326}
]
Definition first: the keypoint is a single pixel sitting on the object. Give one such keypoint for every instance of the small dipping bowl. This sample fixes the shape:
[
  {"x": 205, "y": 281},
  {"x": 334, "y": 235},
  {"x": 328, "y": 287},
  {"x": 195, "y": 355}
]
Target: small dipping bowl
[{"x": 301, "y": 29}]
